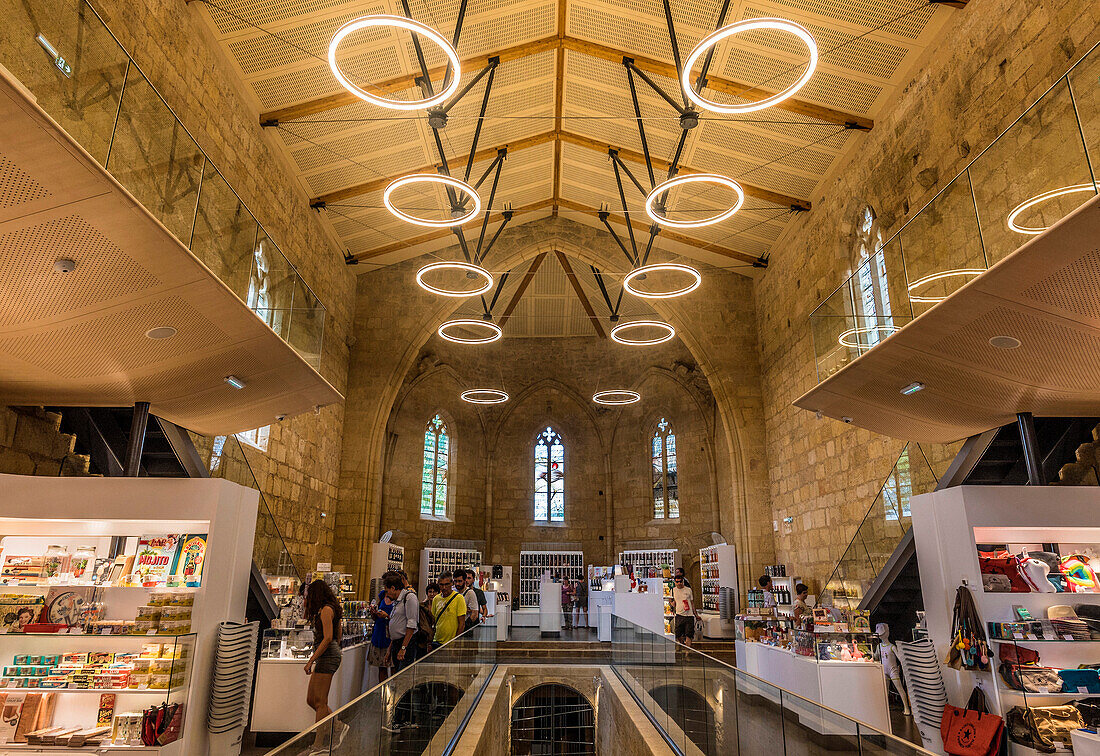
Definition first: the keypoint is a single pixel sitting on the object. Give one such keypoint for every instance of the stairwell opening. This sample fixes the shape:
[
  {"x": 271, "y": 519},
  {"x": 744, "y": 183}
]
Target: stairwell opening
[
  {"x": 691, "y": 712},
  {"x": 553, "y": 719},
  {"x": 419, "y": 714}
]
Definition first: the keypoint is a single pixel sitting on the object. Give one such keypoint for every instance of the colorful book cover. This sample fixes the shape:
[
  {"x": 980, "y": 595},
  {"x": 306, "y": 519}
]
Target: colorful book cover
[
  {"x": 190, "y": 558},
  {"x": 18, "y": 610},
  {"x": 155, "y": 557},
  {"x": 106, "y": 710}
]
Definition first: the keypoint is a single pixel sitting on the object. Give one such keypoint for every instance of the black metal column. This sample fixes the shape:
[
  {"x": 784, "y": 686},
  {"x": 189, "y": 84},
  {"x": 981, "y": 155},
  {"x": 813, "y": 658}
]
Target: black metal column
[
  {"x": 137, "y": 440},
  {"x": 1025, "y": 422}
]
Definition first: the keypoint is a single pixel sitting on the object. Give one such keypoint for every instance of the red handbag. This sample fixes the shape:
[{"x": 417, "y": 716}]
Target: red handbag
[
  {"x": 1008, "y": 566},
  {"x": 971, "y": 731}
]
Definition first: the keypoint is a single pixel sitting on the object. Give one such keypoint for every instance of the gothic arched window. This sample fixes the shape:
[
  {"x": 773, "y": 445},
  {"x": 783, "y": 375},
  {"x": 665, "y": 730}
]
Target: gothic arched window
[
  {"x": 666, "y": 495},
  {"x": 437, "y": 457},
  {"x": 549, "y": 477}
]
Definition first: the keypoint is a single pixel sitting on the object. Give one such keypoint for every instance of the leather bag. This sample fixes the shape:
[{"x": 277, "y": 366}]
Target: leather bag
[
  {"x": 1009, "y": 567},
  {"x": 1022, "y": 729},
  {"x": 1056, "y": 723}
]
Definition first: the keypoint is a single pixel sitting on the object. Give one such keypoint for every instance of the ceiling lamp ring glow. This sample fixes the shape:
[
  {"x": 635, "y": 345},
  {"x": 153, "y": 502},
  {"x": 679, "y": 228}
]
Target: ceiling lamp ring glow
[
  {"x": 932, "y": 277},
  {"x": 751, "y": 24},
  {"x": 1039, "y": 198},
  {"x": 415, "y": 27},
  {"x": 432, "y": 178},
  {"x": 449, "y": 265},
  {"x": 694, "y": 178},
  {"x": 645, "y": 270},
  {"x": 494, "y": 331},
  {"x": 484, "y": 396},
  {"x": 618, "y": 331},
  {"x": 845, "y": 338},
  {"x": 616, "y": 397}
]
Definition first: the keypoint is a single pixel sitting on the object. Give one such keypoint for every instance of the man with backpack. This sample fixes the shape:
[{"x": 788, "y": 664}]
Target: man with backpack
[
  {"x": 404, "y": 621},
  {"x": 448, "y": 612}
]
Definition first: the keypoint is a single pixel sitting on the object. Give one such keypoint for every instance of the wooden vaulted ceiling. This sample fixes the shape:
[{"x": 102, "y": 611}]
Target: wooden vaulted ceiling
[{"x": 561, "y": 99}]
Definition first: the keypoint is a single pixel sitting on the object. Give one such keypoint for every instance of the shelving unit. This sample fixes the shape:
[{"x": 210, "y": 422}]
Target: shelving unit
[
  {"x": 646, "y": 561},
  {"x": 73, "y": 512},
  {"x": 434, "y": 560},
  {"x": 384, "y": 557},
  {"x": 566, "y": 564},
  {"x": 717, "y": 569},
  {"x": 949, "y": 524},
  {"x": 786, "y": 605}
]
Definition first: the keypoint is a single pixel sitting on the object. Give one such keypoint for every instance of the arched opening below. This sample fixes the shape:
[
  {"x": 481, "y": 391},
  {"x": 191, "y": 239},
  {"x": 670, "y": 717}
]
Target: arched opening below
[
  {"x": 691, "y": 712},
  {"x": 553, "y": 720}
]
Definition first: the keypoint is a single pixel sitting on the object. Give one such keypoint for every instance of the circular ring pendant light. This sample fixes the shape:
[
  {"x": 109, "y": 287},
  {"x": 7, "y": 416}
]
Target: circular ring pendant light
[
  {"x": 484, "y": 396},
  {"x": 845, "y": 338},
  {"x": 432, "y": 178},
  {"x": 1038, "y": 198},
  {"x": 447, "y": 265},
  {"x": 646, "y": 270},
  {"x": 618, "y": 331},
  {"x": 616, "y": 397},
  {"x": 493, "y": 329},
  {"x": 694, "y": 178},
  {"x": 958, "y": 272},
  {"x": 415, "y": 27},
  {"x": 751, "y": 24}
]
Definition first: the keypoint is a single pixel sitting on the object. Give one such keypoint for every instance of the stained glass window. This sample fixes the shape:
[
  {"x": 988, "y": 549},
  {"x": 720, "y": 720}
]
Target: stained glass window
[
  {"x": 666, "y": 495},
  {"x": 549, "y": 477},
  {"x": 872, "y": 301},
  {"x": 433, "y": 480}
]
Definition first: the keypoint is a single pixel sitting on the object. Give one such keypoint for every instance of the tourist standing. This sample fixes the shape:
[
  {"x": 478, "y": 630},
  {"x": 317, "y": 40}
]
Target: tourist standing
[
  {"x": 567, "y": 603},
  {"x": 462, "y": 585},
  {"x": 580, "y": 603},
  {"x": 448, "y": 611},
  {"x": 482, "y": 604},
  {"x": 765, "y": 582},
  {"x": 404, "y": 621},
  {"x": 378, "y": 655},
  {"x": 686, "y": 613},
  {"x": 323, "y": 611}
]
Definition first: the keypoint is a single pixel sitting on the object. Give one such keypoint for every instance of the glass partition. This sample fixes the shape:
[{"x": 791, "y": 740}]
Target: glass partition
[
  {"x": 1040, "y": 169},
  {"x": 703, "y": 705},
  {"x": 64, "y": 54}
]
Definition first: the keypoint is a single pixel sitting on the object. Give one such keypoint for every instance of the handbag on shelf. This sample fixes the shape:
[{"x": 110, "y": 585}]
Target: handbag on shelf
[
  {"x": 1090, "y": 711},
  {"x": 1030, "y": 678},
  {"x": 1056, "y": 723},
  {"x": 1006, "y": 566},
  {"x": 1080, "y": 680},
  {"x": 1018, "y": 654},
  {"x": 971, "y": 731},
  {"x": 1022, "y": 730}
]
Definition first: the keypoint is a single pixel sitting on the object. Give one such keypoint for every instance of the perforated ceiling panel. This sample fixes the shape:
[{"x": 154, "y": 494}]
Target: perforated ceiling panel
[
  {"x": 103, "y": 271},
  {"x": 1074, "y": 288},
  {"x": 17, "y": 187}
]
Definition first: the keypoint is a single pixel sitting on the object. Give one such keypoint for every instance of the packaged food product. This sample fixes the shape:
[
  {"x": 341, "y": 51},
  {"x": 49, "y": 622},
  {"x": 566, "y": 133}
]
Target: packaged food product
[
  {"x": 75, "y": 658},
  {"x": 144, "y": 627},
  {"x": 102, "y": 658},
  {"x": 151, "y": 650},
  {"x": 159, "y": 681},
  {"x": 139, "y": 681}
]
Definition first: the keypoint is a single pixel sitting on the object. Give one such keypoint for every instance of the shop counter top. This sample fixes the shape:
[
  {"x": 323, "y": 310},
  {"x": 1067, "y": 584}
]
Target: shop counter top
[{"x": 279, "y": 704}]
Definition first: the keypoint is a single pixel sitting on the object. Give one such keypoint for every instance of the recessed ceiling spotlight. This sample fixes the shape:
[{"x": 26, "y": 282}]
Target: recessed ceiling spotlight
[
  {"x": 618, "y": 331},
  {"x": 694, "y": 178},
  {"x": 432, "y": 178},
  {"x": 64, "y": 265},
  {"x": 1033, "y": 230},
  {"x": 235, "y": 382},
  {"x": 912, "y": 388},
  {"x": 484, "y": 396},
  {"x": 415, "y": 27},
  {"x": 161, "y": 332},
  {"x": 447, "y": 265},
  {"x": 616, "y": 397},
  {"x": 493, "y": 331},
  {"x": 751, "y": 24},
  {"x": 641, "y": 274},
  {"x": 1004, "y": 342},
  {"x": 931, "y": 277}
]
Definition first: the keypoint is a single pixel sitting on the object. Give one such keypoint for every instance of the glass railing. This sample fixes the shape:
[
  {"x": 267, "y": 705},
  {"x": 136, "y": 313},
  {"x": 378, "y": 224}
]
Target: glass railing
[
  {"x": 422, "y": 709},
  {"x": 1041, "y": 168},
  {"x": 881, "y": 529},
  {"x": 226, "y": 457},
  {"x": 703, "y": 705},
  {"x": 64, "y": 54}
]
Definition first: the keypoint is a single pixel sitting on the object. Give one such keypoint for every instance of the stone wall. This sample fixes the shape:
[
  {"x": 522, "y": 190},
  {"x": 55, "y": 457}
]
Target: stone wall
[
  {"x": 31, "y": 443},
  {"x": 996, "y": 59},
  {"x": 608, "y": 485},
  {"x": 719, "y": 380}
]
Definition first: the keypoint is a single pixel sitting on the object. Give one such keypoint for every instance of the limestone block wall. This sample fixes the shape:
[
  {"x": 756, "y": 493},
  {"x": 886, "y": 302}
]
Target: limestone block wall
[
  {"x": 395, "y": 320},
  {"x": 996, "y": 59},
  {"x": 32, "y": 444},
  {"x": 608, "y": 479}
]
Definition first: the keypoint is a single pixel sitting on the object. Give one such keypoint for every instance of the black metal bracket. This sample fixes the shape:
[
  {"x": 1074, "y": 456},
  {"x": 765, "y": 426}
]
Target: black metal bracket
[
  {"x": 424, "y": 80},
  {"x": 614, "y": 155},
  {"x": 507, "y": 214},
  {"x": 318, "y": 205},
  {"x": 701, "y": 81},
  {"x": 799, "y": 209},
  {"x": 270, "y": 123},
  {"x": 675, "y": 48},
  {"x": 853, "y": 126},
  {"x": 641, "y": 125},
  {"x": 350, "y": 259},
  {"x": 622, "y": 198},
  {"x": 603, "y": 215},
  {"x": 681, "y": 109},
  {"x": 478, "y": 254}
]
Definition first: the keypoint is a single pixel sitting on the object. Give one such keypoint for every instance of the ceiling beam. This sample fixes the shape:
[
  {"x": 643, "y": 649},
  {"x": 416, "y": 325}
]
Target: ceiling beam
[
  {"x": 523, "y": 284},
  {"x": 592, "y": 317},
  {"x": 559, "y": 101},
  {"x": 413, "y": 241},
  {"x": 577, "y": 207},
  {"x": 594, "y": 49},
  {"x": 751, "y": 190},
  {"x": 403, "y": 82}
]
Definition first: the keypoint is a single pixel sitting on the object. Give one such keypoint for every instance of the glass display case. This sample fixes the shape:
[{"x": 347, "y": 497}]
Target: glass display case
[
  {"x": 772, "y": 630},
  {"x": 833, "y": 646},
  {"x": 287, "y": 643}
]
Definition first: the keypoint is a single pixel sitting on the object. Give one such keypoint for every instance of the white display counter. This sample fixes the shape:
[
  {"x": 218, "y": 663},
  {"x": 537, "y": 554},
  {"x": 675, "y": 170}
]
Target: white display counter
[
  {"x": 280, "y": 701},
  {"x": 646, "y": 610},
  {"x": 549, "y": 607},
  {"x": 856, "y": 689},
  {"x": 715, "y": 627},
  {"x": 600, "y": 606}
]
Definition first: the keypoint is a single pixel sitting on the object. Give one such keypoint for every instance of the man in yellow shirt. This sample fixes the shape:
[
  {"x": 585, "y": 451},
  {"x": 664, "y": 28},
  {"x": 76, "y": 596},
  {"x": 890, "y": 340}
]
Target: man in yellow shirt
[{"x": 449, "y": 610}]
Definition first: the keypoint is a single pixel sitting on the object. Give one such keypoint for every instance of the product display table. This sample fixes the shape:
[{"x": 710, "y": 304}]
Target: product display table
[
  {"x": 715, "y": 627},
  {"x": 279, "y": 704},
  {"x": 854, "y": 688},
  {"x": 549, "y": 608}
]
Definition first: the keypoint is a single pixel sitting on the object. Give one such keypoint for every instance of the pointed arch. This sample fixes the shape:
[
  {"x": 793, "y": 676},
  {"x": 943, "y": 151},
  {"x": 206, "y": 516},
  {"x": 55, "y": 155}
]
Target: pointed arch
[
  {"x": 662, "y": 450},
  {"x": 435, "y": 475},
  {"x": 549, "y": 471}
]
